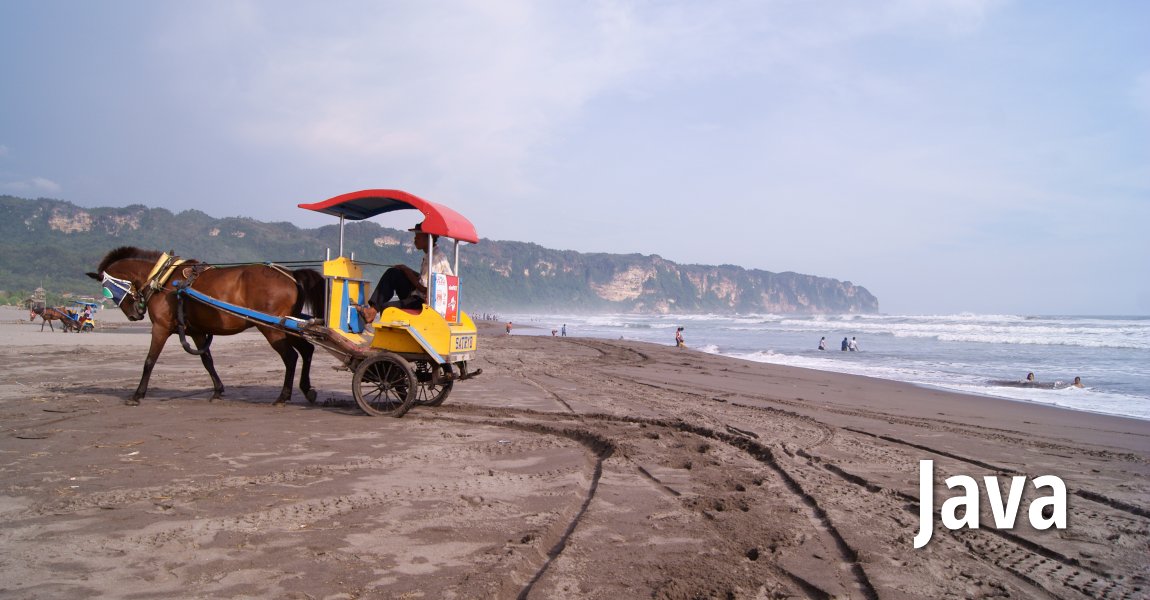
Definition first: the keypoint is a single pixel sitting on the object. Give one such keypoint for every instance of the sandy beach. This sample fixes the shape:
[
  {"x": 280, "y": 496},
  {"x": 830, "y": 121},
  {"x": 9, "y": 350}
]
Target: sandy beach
[{"x": 572, "y": 468}]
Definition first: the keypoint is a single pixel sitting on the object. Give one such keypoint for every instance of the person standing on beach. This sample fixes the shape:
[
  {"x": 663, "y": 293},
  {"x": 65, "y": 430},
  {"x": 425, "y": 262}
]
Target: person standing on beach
[
  {"x": 679, "y": 343},
  {"x": 823, "y": 343},
  {"x": 509, "y": 328},
  {"x": 853, "y": 346},
  {"x": 846, "y": 343},
  {"x": 563, "y": 331}
]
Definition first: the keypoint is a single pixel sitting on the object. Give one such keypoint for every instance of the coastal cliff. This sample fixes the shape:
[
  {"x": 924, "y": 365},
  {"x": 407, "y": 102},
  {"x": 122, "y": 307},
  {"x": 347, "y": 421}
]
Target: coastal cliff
[
  {"x": 52, "y": 243},
  {"x": 651, "y": 284}
]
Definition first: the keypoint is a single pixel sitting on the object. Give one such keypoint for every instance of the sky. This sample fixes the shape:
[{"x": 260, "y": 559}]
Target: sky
[{"x": 951, "y": 156}]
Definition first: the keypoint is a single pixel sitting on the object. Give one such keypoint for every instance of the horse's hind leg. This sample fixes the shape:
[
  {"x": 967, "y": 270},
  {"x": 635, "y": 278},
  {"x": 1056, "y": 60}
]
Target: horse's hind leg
[
  {"x": 305, "y": 350},
  {"x": 202, "y": 343},
  {"x": 282, "y": 344}
]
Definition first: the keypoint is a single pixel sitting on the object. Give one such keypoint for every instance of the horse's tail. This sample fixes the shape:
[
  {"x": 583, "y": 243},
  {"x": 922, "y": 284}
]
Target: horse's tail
[{"x": 312, "y": 293}]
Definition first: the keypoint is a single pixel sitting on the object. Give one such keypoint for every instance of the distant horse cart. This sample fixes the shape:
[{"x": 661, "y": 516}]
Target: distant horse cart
[
  {"x": 81, "y": 313},
  {"x": 411, "y": 356},
  {"x": 54, "y": 313}
]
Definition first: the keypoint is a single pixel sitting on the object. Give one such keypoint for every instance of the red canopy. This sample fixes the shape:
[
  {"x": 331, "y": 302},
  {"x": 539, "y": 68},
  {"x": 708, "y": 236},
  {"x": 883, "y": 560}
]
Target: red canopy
[{"x": 364, "y": 204}]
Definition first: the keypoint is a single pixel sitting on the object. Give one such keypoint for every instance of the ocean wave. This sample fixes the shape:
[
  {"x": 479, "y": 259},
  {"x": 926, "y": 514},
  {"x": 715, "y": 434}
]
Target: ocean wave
[
  {"x": 1041, "y": 341},
  {"x": 1086, "y": 334},
  {"x": 960, "y": 352},
  {"x": 1058, "y": 393},
  {"x": 1007, "y": 330}
]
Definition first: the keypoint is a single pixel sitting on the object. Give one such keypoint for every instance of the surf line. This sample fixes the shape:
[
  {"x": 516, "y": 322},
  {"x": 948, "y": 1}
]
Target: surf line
[{"x": 1005, "y": 511}]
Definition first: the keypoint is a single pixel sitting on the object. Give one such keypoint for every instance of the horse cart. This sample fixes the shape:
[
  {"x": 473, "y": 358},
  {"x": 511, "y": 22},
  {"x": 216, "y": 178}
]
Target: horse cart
[
  {"x": 74, "y": 317},
  {"x": 411, "y": 356},
  {"x": 80, "y": 312}
]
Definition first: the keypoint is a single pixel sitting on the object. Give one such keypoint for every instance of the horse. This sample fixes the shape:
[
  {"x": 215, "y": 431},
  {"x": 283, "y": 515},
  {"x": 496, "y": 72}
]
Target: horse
[
  {"x": 49, "y": 314},
  {"x": 141, "y": 281}
]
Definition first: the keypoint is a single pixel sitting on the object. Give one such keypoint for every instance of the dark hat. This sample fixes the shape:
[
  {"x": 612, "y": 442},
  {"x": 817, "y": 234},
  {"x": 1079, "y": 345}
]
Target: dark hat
[{"x": 419, "y": 229}]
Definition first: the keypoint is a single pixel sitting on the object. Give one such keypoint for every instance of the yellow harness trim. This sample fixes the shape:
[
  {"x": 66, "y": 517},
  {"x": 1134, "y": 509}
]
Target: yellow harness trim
[
  {"x": 163, "y": 270},
  {"x": 168, "y": 264}
]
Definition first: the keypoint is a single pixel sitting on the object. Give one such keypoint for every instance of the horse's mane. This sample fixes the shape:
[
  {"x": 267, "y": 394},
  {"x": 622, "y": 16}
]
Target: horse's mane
[{"x": 127, "y": 252}]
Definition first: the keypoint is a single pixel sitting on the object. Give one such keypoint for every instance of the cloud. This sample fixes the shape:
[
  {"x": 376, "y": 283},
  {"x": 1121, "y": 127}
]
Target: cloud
[
  {"x": 35, "y": 185},
  {"x": 474, "y": 91},
  {"x": 471, "y": 90}
]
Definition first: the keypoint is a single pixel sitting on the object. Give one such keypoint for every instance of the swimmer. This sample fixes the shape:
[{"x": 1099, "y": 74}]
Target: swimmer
[
  {"x": 1030, "y": 378},
  {"x": 1077, "y": 383}
]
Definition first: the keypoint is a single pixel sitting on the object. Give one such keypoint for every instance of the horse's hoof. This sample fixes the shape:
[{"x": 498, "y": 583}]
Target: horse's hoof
[
  {"x": 311, "y": 396},
  {"x": 132, "y": 402}
]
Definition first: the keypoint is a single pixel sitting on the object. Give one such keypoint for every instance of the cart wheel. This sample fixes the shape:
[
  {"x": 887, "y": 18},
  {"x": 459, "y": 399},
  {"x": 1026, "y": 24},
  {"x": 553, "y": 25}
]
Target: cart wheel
[
  {"x": 428, "y": 393},
  {"x": 88, "y": 327},
  {"x": 384, "y": 385}
]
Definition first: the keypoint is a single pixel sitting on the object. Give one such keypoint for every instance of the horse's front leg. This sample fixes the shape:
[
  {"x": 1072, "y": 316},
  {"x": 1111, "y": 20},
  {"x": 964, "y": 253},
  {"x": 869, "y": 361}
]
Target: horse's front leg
[
  {"x": 201, "y": 341},
  {"x": 159, "y": 338},
  {"x": 282, "y": 345}
]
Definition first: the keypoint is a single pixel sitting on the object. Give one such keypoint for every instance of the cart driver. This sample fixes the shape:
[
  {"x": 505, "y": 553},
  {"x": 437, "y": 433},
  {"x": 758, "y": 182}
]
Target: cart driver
[{"x": 401, "y": 281}]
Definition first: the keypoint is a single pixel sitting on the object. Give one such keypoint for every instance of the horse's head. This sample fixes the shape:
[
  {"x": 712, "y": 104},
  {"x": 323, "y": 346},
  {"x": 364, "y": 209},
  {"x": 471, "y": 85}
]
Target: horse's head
[
  {"x": 123, "y": 291},
  {"x": 122, "y": 274}
]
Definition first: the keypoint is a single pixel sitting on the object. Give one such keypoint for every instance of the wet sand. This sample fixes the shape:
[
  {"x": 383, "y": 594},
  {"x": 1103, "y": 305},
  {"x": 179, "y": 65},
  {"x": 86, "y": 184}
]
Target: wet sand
[{"x": 572, "y": 468}]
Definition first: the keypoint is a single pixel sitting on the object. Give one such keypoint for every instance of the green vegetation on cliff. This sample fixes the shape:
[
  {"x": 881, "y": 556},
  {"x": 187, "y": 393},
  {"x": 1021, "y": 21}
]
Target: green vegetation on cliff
[{"x": 53, "y": 243}]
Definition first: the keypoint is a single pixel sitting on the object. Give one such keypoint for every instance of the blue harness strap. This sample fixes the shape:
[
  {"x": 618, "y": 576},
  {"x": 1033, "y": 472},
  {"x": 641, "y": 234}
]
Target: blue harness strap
[{"x": 285, "y": 322}]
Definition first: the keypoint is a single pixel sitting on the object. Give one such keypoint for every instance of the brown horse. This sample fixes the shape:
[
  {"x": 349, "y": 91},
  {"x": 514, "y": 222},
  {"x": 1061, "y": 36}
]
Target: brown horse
[
  {"x": 49, "y": 314},
  {"x": 141, "y": 282}
]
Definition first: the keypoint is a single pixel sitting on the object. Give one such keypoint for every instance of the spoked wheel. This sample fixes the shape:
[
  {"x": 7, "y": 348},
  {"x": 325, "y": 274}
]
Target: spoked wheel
[
  {"x": 429, "y": 393},
  {"x": 384, "y": 385}
]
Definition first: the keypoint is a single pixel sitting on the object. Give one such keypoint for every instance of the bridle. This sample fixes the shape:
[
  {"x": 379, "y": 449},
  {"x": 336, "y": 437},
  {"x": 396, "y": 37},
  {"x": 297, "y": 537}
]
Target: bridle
[{"x": 119, "y": 290}]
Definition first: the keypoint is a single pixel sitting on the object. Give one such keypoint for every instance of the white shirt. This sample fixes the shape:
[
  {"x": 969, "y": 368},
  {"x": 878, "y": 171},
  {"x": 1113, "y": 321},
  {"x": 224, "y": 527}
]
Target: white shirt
[{"x": 442, "y": 265}]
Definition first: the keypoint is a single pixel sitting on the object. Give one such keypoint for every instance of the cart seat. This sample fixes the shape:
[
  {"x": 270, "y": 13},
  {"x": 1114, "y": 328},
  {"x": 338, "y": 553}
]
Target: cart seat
[{"x": 415, "y": 312}]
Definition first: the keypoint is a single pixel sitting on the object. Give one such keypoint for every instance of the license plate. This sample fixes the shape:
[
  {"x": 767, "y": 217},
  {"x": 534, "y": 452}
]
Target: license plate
[{"x": 463, "y": 343}]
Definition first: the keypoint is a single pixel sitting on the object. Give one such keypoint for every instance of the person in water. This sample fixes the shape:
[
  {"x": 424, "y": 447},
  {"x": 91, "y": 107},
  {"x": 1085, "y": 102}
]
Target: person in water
[
  {"x": 1077, "y": 383},
  {"x": 1030, "y": 378},
  {"x": 823, "y": 343}
]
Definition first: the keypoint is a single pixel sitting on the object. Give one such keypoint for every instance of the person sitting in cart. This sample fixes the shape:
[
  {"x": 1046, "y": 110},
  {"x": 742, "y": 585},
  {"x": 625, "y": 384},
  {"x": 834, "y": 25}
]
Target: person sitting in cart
[{"x": 403, "y": 282}]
